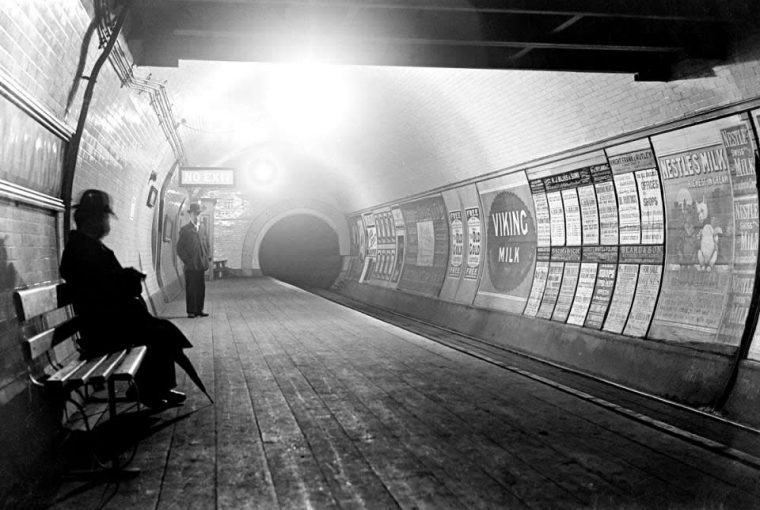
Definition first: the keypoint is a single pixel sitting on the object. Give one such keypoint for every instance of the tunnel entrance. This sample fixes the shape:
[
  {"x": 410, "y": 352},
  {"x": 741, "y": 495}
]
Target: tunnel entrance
[{"x": 302, "y": 250}]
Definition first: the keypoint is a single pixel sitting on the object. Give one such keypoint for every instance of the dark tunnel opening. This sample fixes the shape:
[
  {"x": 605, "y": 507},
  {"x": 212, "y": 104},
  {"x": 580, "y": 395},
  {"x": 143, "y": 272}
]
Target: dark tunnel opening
[{"x": 302, "y": 250}]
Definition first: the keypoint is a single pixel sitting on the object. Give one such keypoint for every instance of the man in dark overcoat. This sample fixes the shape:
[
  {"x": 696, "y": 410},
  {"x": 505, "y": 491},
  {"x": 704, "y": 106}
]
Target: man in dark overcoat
[
  {"x": 192, "y": 249},
  {"x": 107, "y": 298}
]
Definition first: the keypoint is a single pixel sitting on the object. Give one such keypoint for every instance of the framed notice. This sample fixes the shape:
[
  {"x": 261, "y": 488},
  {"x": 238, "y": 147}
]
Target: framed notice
[
  {"x": 647, "y": 288},
  {"x": 557, "y": 218},
  {"x": 583, "y": 293},
  {"x": 625, "y": 287},
  {"x": 566, "y": 291},
  {"x": 628, "y": 209},
  {"x": 509, "y": 230},
  {"x": 600, "y": 300},
  {"x": 589, "y": 214},
  {"x": 537, "y": 290},
  {"x": 474, "y": 243},
  {"x": 551, "y": 291},
  {"x": 456, "y": 235},
  {"x": 541, "y": 207},
  {"x": 650, "y": 201},
  {"x": 573, "y": 230},
  {"x": 697, "y": 184},
  {"x": 426, "y": 248}
]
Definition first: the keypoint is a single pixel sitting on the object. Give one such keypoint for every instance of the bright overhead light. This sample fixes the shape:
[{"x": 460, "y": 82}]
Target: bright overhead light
[
  {"x": 263, "y": 172},
  {"x": 308, "y": 100}
]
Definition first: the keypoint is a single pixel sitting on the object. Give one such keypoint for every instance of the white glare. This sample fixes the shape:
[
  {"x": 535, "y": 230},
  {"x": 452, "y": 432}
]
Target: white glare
[{"x": 308, "y": 100}]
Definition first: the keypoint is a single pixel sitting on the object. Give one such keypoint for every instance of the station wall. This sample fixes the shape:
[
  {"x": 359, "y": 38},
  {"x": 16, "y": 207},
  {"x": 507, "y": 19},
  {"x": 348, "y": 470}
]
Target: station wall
[
  {"x": 44, "y": 50},
  {"x": 653, "y": 239}
]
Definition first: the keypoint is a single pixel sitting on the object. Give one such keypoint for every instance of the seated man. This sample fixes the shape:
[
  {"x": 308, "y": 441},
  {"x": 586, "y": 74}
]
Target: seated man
[{"x": 107, "y": 298}]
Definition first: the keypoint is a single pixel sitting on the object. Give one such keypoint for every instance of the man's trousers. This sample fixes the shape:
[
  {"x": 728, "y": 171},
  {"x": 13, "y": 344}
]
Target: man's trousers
[{"x": 195, "y": 291}]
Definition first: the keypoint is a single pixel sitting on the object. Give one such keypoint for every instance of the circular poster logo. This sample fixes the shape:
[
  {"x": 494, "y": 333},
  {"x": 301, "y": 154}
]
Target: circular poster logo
[{"x": 511, "y": 241}]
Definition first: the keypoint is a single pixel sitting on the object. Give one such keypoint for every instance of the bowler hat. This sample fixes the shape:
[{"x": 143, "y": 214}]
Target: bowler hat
[
  {"x": 94, "y": 201},
  {"x": 194, "y": 208}
]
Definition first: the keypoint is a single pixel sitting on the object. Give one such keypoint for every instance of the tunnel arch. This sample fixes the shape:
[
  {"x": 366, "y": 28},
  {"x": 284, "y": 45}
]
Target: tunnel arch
[{"x": 262, "y": 223}]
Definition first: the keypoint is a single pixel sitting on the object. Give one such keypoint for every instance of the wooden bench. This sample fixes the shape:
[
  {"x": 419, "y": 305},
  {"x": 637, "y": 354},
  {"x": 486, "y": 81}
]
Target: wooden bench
[{"x": 49, "y": 334}]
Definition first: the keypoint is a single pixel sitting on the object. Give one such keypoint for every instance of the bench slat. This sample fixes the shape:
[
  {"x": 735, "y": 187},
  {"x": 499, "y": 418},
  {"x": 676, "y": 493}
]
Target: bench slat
[
  {"x": 82, "y": 375},
  {"x": 130, "y": 364},
  {"x": 107, "y": 367},
  {"x": 36, "y": 301},
  {"x": 59, "y": 378},
  {"x": 39, "y": 344}
]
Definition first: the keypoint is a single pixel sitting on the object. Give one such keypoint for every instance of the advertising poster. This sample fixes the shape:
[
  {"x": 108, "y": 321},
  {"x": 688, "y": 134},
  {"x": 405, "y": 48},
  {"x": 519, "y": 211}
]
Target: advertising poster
[
  {"x": 583, "y": 293},
  {"x": 628, "y": 209},
  {"x": 398, "y": 262},
  {"x": 564, "y": 207},
  {"x": 600, "y": 300},
  {"x": 358, "y": 248},
  {"x": 643, "y": 303},
  {"x": 700, "y": 234},
  {"x": 557, "y": 218},
  {"x": 650, "y": 200},
  {"x": 541, "y": 208},
  {"x": 566, "y": 291},
  {"x": 473, "y": 243},
  {"x": 622, "y": 298},
  {"x": 386, "y": 246},
  {"x": 590, "y": 215},
  {"x": 510, "y": 243},
  {"x": 425, "y": 243},
  {"x": 606, "y": 203},
  {"x": 740, "y": 153},
  {"x": 551, "y": 291},
  {"x": 537, "y": 290},
  {"x": 456, "y": 235},
  {"x": 426, "y": 251},
  {"x": 573, "y": 229}
]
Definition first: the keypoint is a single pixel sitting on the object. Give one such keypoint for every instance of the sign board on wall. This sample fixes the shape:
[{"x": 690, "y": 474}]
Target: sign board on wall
[
  {"x": 509, "y": 231},
  {"x": 200, "y": 177},
  {"x": 704, "y": 208},
  {"x": 427, "y": 246},
  {"x": 642, "y": 233},
  {"x": 358, "y": 247},
  {"x": 385, "y": 258}
]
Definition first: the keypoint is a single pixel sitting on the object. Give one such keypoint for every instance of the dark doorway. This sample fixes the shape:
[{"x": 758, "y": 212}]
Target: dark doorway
[{"x": 302, "y": 250}]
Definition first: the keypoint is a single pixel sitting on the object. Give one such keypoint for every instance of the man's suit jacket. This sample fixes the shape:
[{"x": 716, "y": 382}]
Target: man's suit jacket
[{"x": 192, "y": 249}]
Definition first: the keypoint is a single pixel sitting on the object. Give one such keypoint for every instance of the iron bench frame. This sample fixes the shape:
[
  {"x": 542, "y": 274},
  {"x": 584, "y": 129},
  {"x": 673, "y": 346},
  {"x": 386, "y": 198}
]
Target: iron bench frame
[{"x": 49, "y": 333}]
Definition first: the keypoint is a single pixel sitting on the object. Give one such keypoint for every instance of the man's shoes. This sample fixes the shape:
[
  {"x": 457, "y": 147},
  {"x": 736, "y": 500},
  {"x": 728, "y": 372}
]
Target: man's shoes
[
  {"x": 201, "y": 314},
  {"x": 192, "y": 315}
]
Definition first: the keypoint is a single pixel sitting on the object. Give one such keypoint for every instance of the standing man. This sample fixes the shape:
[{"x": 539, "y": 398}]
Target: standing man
[{"x": 192, "y": 249}]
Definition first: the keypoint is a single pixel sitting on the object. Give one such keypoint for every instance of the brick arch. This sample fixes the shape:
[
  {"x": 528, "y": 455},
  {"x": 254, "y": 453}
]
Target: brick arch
[{"x": 261, "y": 224}]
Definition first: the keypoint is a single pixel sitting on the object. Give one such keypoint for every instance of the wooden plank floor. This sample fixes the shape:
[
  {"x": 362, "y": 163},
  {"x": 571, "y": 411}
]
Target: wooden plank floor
[{"x": 319, "y": 406}]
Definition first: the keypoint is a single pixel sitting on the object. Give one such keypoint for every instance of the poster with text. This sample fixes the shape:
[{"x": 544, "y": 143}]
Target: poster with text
[
  {"x": 600, "y": 300},
  {"x": 590, "y": 215},
  {"x": 541, "y": 208},
  {"x": 700, "y": 235},
  {"x": 583, "y": 294},
  {"x": 474, "y": 243},
  {"x": 607, "y": 204},
  {"x": 537, "y": 289},
  {"x": 622, "y": 298},
  {"x": 551, "y": 291},
  {"x": 566, "y": 291},
  {"x": 427, "y": 246},
  {"x": 358, "y": 247},
  {"x": 456, "y": 235},
  {"x": 510, "y": 243}
]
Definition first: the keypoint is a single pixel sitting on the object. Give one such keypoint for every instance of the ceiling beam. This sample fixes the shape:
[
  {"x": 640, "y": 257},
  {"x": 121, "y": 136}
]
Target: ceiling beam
[{"x": 692, "y": 10}]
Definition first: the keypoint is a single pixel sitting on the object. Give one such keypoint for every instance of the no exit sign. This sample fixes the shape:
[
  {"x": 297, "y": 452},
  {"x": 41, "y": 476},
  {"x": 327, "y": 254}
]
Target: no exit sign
[{"x": 206, "y": 177}]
